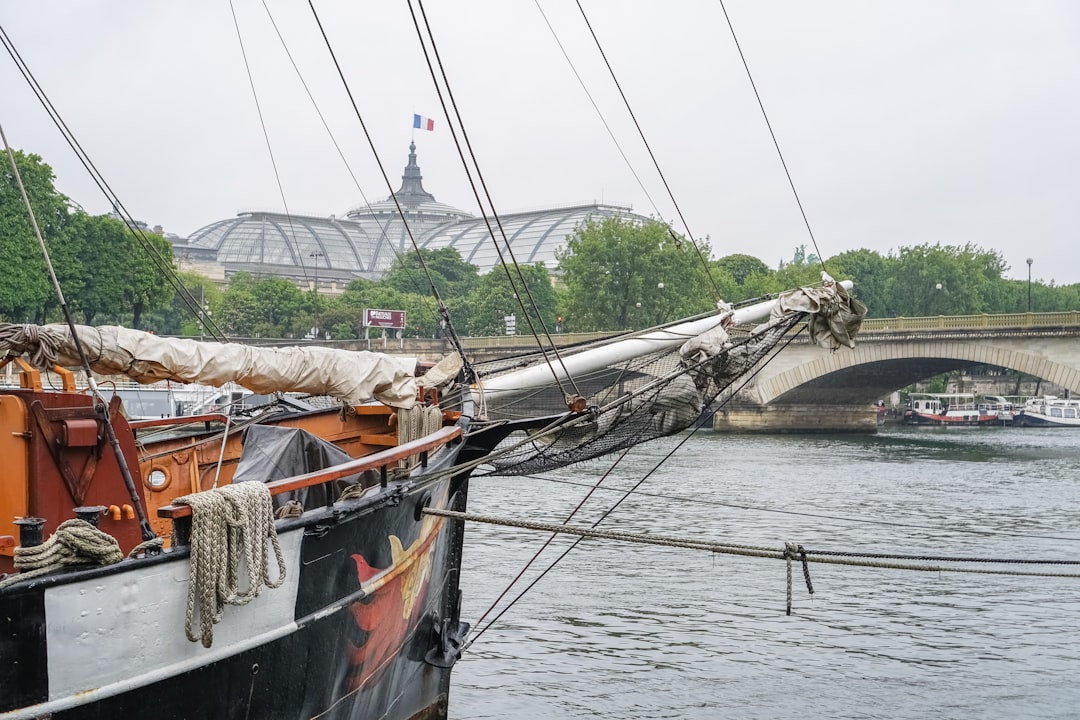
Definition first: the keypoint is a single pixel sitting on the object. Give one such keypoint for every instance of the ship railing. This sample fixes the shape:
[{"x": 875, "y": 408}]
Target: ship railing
[{"x": 380, "y": 461}]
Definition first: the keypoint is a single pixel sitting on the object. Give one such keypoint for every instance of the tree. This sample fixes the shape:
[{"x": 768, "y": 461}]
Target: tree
[
  {"x": 115, "y": 272},
  {"x": 452, "y": 276},
  {"x": 180, "y": 316},
  {"x": 621, "y": 274},
  {"x": 943, "y": 280},
  {"x": 25, "y": 287},
  {"x": 494, "y": 298},
  {"x": 268, "y": 307},
  {"x": 742, "y": 266},
  {"x": 870, "y": 273},
  {"x": 150, "y": 260}
]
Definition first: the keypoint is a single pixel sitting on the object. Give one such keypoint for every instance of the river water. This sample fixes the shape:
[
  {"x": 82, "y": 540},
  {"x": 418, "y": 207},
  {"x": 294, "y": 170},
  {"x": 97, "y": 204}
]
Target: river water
[{"x": 631, "y": 631}]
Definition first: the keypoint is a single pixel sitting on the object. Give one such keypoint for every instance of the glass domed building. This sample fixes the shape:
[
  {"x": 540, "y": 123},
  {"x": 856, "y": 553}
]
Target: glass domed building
[{"x": 330, "y": 252}]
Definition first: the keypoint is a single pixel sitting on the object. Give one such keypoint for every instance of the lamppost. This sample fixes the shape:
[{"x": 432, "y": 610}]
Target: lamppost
[
  {"x": 316, "y": 255},
  {"x": 1029, "y": 261},
  {"x": 205, "y": 307}
]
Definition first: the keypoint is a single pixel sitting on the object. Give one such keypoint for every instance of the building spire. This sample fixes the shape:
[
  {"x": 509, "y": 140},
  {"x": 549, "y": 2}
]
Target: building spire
[{"x": 412, "y": 191}]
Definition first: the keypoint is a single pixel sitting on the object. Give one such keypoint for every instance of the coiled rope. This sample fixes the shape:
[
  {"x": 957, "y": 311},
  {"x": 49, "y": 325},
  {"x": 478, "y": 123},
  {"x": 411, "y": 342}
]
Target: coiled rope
[
  {"x": 41, "y": 347},
  {"x": 414, "y": 423},
  {"x": 229, "y": 524},
  {"x": 75, "y": 542}
]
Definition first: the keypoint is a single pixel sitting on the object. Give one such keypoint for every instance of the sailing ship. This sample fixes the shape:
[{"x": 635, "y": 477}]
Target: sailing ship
[
  {"x": 357, "y": 578},
  {"x": 302, "y": 558}
]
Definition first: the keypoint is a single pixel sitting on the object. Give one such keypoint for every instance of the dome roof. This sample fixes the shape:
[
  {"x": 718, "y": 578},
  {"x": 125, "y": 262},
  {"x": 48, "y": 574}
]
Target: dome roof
[
  {"x": 288, "y": 241},
  {"x": 369, "y": 239},
  {"x": 533, "y": 236}
]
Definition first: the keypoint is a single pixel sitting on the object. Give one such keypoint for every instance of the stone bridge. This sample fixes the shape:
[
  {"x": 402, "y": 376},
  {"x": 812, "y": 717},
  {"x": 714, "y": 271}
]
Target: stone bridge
[{"x": 806, "y": 388}]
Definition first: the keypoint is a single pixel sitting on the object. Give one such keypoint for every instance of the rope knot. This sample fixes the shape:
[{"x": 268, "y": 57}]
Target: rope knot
[{"x": 794, "y": 551}]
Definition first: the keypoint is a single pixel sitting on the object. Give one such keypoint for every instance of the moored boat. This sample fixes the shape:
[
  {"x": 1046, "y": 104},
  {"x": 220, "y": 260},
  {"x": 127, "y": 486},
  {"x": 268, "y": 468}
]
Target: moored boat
[
  {"x": 957, "y": 410},
  {"x": 360, "y": 585},
  {"x": 1049, "y": 411},
  {"x": 291, "y": 561}
]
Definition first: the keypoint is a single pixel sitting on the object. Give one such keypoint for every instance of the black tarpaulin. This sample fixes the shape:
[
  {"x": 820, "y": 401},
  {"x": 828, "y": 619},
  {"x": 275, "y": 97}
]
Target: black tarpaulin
[{"x": 273, "y": 453}]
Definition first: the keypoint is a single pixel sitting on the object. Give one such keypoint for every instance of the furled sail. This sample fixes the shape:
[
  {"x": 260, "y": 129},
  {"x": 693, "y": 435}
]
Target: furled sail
[
  {"x": 354, "y": 377},
  {"x": 651, "y": 384}
]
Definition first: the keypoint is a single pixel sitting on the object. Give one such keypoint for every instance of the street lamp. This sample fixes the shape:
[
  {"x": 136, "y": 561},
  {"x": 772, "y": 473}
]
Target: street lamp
[
  {"x": 205, "y": 307},
  {"x": 1029, "y": 261},
  {"x": 316, "y": 255}
]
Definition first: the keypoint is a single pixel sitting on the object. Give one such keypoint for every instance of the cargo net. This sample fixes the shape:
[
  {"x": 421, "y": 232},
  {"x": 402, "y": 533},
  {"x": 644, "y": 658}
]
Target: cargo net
[{"x": 642, "y": 399}]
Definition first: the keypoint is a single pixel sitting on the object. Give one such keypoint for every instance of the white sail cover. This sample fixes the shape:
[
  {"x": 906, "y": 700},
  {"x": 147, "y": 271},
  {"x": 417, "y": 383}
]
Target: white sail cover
[{"x": 354, "y": 377}]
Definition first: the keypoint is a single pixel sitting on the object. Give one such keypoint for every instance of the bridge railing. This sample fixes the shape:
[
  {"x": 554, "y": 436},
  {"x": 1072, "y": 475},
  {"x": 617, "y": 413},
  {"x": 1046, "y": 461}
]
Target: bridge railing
[
  {"x": 933, "y": 322},
  {"x": 973, "y": 322},
  {"x": 495, "y": 341},
  {"x": 509, "y": 343}
]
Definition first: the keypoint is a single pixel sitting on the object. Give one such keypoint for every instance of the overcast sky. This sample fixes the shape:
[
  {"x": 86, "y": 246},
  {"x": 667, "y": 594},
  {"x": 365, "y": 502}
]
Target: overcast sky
[{"x": 901, "y": 123}]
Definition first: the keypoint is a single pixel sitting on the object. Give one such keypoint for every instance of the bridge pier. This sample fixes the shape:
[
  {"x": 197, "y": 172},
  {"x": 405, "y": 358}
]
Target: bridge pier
[{"x": 787, "y": 418}]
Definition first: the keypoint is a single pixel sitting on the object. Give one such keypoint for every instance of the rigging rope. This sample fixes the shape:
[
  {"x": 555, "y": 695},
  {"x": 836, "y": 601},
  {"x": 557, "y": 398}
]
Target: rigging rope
[
  {"x": 490, "y": 201},
  {"x": 652, "y": 156},
  {"x": 451, "y": 332},
  {"x": 745, "y": 380},
  {"x": 772, "y": 134},
  {"x": 164, "y": 265},
  {"x": 799, "y": 513},
  {"x": 853, "y": 559},
  {"x": 382, "y": 225},
  {"x": 269, "y": 148},
  {"x": 230, "y": 524}
]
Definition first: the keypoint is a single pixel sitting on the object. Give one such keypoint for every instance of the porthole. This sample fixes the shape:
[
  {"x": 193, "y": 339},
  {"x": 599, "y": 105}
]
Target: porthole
[{"x": 157, "y": 480}]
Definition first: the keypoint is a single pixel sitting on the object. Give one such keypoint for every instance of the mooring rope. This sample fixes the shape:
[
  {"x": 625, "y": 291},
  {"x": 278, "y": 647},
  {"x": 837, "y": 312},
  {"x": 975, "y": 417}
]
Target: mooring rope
[
  {"x": 228, "y": 524},
  {"x": 75, "y": 542},
  {"x": 760, "y": 551}
]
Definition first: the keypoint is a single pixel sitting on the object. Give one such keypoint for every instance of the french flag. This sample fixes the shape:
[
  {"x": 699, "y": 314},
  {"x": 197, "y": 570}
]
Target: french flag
[{"x": 422, "y": 123}]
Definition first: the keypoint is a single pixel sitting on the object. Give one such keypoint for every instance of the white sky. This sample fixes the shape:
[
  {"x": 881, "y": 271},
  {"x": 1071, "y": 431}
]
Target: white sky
[{"x": 901, "y": 122}]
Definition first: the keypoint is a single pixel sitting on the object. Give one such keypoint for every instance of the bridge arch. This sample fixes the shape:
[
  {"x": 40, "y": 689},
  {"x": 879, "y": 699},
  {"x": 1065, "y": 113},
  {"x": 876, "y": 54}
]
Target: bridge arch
[
  {"x": 872, "y": 370},
  {"x": 805, "y": 388}
]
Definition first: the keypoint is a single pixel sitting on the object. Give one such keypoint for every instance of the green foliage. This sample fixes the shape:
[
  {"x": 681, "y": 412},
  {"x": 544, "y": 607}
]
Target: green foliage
[
  {"x": 611, "y": 275},
  {"x": 943, "y": 280},
  {"x": 494, "y": 298},
  {"x": 624, "y": 275},
  {"x": 452, "y": 276},
  {"x": 421, "y": 312},
  {"x": 180, "y": 318},
  {"x": 870, "y": 272},
  {"x": 149, "y": 260},
  {"x": 25, "y": 288},
  {"x": 103, "y": 269},
  {"x": 742, "y": 266},
  {"x": 115, "y": 273},
  {"x": 268, "y": 307}
]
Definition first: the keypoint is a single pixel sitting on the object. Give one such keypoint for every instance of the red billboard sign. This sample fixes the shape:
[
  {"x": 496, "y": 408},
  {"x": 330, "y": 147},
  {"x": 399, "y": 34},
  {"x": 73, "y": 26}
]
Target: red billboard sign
[{"x": 384, "y": 318}]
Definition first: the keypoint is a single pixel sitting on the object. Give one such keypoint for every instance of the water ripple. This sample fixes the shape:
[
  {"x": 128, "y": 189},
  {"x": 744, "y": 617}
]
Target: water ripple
[{"x": 627, "y": 631}]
